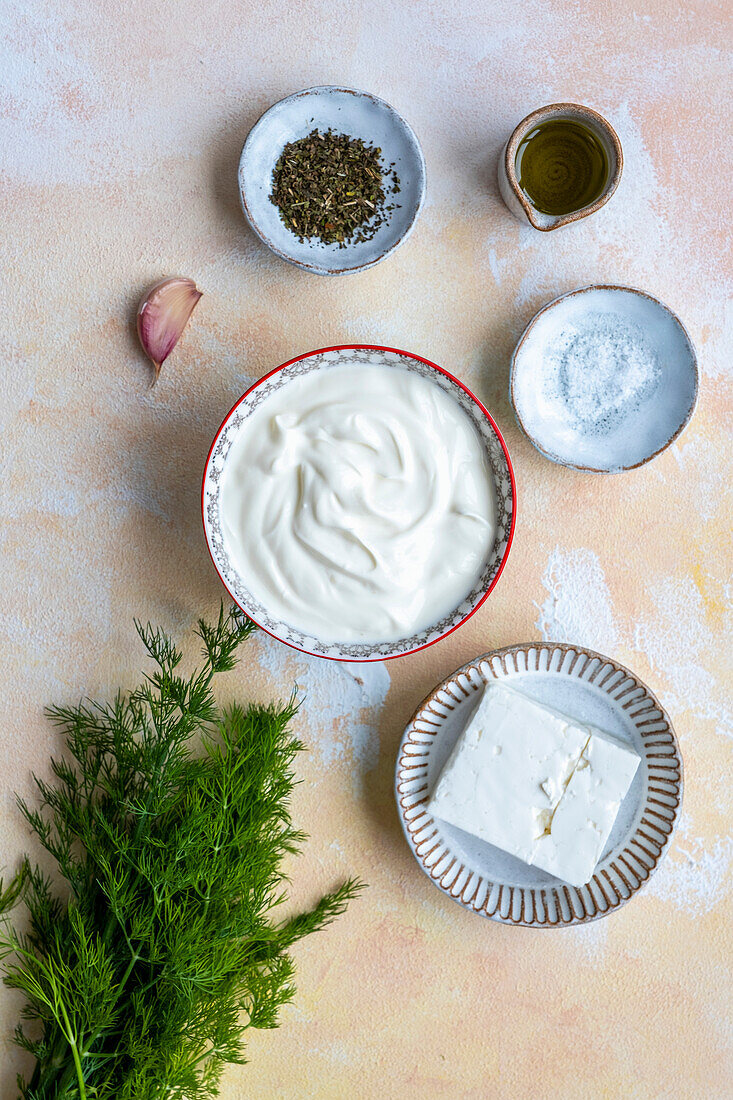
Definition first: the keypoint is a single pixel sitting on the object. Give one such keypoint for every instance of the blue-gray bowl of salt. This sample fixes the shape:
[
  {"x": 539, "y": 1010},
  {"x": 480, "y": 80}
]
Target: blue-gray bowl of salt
[{"x": 604, "y": 379}]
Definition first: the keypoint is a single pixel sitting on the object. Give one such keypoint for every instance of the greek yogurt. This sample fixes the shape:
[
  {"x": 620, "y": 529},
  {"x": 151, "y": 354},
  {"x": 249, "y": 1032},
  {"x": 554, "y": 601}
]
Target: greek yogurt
[{"x": 357, "y": 503}]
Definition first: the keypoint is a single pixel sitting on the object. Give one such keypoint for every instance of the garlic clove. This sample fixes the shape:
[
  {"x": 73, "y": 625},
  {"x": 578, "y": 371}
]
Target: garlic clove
[{"x": 162, "y": 315}]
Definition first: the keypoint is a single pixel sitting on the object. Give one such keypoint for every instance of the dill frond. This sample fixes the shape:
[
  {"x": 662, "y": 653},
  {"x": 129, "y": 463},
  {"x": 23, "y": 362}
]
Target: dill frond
[{"x": 168, "y": 819}]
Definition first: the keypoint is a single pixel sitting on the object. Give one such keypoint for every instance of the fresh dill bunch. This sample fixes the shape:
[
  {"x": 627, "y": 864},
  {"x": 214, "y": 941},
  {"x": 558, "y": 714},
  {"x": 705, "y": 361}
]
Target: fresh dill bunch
[{"x": 168, "y": 820}]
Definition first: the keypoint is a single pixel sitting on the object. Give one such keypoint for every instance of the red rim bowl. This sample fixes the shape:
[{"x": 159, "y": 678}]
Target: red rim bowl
[{"x": 499, "y": 461}]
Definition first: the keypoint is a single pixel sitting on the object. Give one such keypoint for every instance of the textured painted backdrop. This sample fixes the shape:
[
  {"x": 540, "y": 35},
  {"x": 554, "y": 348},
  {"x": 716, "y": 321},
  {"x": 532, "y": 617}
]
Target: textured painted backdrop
[{"x": 119, "y": 138}]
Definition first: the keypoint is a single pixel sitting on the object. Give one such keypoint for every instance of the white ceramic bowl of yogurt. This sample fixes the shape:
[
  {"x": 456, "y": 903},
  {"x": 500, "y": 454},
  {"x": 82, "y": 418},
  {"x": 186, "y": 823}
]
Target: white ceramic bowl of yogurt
[{"x": 359, "y": 503}]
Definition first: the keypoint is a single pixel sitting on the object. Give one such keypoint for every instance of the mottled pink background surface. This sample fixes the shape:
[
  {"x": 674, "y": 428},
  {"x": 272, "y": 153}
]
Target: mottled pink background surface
[{"x": 119, "y": 139}]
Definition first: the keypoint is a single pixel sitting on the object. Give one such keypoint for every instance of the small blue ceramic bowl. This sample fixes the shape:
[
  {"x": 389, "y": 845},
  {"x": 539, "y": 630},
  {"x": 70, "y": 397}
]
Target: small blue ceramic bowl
[
  {"x": 345, "y": 111},
  {"x": 604, "y": 379}
]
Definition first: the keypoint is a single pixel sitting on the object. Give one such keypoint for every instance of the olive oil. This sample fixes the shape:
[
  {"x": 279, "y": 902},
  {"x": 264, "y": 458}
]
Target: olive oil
[{"x": 561, "y": 166}]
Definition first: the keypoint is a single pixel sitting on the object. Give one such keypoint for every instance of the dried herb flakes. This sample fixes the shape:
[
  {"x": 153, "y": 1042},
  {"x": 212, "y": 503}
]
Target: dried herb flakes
[{"x": 333, "y": 187}]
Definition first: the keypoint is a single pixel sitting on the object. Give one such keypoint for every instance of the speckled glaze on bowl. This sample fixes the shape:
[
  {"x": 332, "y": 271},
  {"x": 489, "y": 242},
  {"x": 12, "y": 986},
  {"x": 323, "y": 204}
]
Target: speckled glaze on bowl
[
  {"x": 347, "y": 111},
  {"x": 484, "y": 879},
  {"x": 499, "y": 463},
  {"x": 514, "y": 196},
  {"x": 650, "y": 427}
]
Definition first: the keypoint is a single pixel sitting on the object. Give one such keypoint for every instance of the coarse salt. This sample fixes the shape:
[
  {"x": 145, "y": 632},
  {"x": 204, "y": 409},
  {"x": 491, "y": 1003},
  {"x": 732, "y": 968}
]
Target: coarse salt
[{"x": 599, "y": 369}]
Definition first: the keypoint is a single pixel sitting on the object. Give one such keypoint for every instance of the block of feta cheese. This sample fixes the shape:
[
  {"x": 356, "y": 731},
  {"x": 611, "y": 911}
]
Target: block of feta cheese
[
  {"x": 584, "y": 817},
  {"x": 538, "y": 784}
]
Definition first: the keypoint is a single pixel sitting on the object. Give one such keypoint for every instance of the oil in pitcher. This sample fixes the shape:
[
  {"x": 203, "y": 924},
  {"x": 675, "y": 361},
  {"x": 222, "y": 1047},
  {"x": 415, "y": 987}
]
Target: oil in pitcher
[{"x": 562, "y": 166}]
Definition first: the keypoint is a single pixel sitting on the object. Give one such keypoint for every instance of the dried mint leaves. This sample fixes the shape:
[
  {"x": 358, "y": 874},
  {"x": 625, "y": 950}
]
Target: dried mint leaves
[{"x": 332, "y": 187}]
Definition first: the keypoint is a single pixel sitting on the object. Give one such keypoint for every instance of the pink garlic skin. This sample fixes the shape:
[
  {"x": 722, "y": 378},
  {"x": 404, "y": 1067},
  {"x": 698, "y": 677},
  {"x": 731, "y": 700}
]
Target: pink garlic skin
[{"x": 162, "y": 316}]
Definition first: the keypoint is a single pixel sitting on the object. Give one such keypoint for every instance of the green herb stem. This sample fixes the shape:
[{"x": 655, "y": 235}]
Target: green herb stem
[
  {"x": 169, "y": 820},
  {"x": 74, "y": 1053}
]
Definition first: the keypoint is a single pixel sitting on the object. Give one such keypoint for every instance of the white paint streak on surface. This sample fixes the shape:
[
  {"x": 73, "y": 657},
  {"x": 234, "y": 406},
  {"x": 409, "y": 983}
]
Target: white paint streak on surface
[
  {"x": 717, "y": 361},
  {"x": 676, "y": 640},
  {"x": 695, "y": 876},
  {"x": 341, "y": 701},
  {"x": 578, "y": 607}
]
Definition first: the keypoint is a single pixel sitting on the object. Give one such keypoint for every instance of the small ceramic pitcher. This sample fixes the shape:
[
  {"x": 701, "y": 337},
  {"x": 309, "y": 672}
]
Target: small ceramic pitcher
[{"x": 512, "y": 193}]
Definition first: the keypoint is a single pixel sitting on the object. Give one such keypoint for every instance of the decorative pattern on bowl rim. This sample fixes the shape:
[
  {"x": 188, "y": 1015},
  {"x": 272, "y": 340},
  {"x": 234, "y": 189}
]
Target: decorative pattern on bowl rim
[
  {"x": 623, "y": 871},
  {"x": 504, "y": 484},
  {"x": 596, "y": 469}
]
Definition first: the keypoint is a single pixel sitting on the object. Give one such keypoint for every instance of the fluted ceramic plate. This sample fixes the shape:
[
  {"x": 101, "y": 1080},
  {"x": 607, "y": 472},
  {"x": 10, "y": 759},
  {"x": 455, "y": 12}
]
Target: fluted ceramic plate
[{"x": 586, "y": 686}]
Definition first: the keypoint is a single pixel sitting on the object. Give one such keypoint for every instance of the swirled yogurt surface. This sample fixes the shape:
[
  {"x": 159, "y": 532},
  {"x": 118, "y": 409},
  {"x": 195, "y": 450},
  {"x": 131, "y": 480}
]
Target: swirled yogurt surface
[{"x": 357, "y": 503}]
